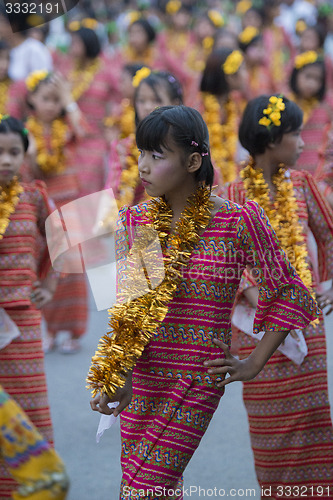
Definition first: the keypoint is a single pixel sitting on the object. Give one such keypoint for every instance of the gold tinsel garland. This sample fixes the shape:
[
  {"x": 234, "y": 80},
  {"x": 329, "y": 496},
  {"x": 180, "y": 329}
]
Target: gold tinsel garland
[
  {"x": 282, "y": 215},
  {"x": 223, "y": 136},
  {"x": 4, "y": 90},
  {"x": 146, "y": 58},
  {"x": 125, "y": 121},
  {"x": 9, "y": 197},
  {"x": 133, "y": 321},
  {"x": 50, "y": 159},
  {"x": 81, "y": 79},
  {"x": 306, "y": 105}
]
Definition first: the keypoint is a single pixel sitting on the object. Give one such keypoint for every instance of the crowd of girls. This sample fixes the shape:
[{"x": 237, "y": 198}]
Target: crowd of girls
[{"x": 164, "y": 104}]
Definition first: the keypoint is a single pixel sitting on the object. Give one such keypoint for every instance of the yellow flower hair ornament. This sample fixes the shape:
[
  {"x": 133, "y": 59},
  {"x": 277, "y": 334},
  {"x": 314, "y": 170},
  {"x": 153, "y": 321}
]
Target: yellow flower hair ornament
[
  {"x": 272, "y": 114},
  {"x": 216, "y": 18},
  {"x": 133, "y": 16},
  {"x": 87, "y": 22},
  {"x": 300, "y": 26},
  {"x": 172, "y": 7},
  {"x": 305, "y": 58},
  {"x": 35, "y": 78},
  {"x": 243, "y": 6},
  {"x": 140, "y": 75},
  {"x": 233, "y": 62},
  {"x": 248, "y": 34}
]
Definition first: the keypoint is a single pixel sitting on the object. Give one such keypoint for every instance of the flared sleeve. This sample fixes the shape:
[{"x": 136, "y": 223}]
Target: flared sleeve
[{"x": 284, "y": 301}]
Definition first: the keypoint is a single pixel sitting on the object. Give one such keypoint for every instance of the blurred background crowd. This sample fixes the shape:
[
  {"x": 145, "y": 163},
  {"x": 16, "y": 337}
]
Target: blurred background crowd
[{"x": 83, "y": 81}]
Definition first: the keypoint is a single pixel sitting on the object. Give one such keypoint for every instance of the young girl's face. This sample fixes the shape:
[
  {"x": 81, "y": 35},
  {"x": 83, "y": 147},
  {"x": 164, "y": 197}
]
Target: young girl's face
[
  {"x": 309, "y": 40},
  {"x": 126, "y": 85},
  {"x": 147, "y": 99},
  {"x": 163, "y": 173},
  {"x": 238, "y": 81},
  {"x": 77, "y": 48},
  {"x": 255, "y": 54},
  {"x": 137, "y": 38},
  {"x": 181, "y": 20},
  {"x": 11, "y": 156},
  {"x": 252, "y": 18},
  {"x": 204, "y": 28},
  {"x": 290, "y": 148},
  {"x": 4, "y": 64},
  {"x": 46, "y": 102},
  {"x": 309, "y": 81}
]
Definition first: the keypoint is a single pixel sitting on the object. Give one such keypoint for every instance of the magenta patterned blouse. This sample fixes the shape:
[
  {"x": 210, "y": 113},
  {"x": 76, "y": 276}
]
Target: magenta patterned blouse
[{"x": 238, "y": 236}]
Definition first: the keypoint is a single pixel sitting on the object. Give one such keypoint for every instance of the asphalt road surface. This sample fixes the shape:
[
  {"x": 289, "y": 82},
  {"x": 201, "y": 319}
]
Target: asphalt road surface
[{"x": 222, "y": 466}]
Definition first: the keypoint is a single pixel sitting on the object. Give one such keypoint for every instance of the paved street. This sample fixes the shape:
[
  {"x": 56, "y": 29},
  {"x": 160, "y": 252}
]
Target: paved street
[{"x": 224, "y": 459}]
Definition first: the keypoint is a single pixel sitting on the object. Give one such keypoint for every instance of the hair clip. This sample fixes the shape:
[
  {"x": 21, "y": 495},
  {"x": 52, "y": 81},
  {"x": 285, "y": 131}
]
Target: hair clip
[
  {"x": 193, "y": 143},
  {"x": 25, "y": 131},
  {"x": 205, "y": 154}
]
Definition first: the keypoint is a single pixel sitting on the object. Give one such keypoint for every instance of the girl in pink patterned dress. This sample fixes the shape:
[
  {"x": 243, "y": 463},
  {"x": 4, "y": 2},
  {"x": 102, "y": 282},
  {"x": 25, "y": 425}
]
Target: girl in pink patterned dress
[{"x": 169, "y": 398}]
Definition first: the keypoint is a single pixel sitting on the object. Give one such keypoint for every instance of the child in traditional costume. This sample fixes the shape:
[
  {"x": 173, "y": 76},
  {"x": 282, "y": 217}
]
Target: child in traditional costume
[
  {"x": 152, "y": 89},
  {"x": 26, "y": 284},
  {"x": 308, "y": 86},
  {"x": 56, "y": 126},
  {"x": 166, "y": 328},
  {"x": 287, "y": 403}
]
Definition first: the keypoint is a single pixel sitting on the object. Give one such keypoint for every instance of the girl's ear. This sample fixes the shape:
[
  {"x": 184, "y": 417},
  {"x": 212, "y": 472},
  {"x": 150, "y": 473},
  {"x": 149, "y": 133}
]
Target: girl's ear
[{"x": 194, "y": 162}]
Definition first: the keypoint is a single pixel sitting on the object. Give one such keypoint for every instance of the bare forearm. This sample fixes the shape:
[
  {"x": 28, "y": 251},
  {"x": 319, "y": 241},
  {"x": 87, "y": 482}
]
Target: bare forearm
[{"x": 264, "y": 350}]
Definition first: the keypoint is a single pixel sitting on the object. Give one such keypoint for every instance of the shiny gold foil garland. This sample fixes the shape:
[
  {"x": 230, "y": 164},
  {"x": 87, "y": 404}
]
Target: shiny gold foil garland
[
  {"x": 134, "y": 321},
  {"x": 9, "y": 197},
  {"x": 50, "y": 157},
  {"x": 283, "y": 216}
]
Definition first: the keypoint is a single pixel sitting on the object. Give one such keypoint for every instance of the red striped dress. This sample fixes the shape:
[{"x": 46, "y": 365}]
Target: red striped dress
[
  {"x": 174, "y": 398},
  {"x": 317, "y": 134},
  {"x": 95, "y": 104},
  {"x": 22, "y": 372},
  {"x": 287, "y": 405}
]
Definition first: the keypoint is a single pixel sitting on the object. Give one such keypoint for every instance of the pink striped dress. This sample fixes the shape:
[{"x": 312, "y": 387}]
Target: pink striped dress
[{"x": 174, "y": 398}]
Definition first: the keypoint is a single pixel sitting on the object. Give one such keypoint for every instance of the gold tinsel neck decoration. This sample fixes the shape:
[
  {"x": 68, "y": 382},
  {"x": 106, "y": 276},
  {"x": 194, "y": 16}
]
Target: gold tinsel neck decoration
[
  {"x": 50, "y": 158},
  {"x": 282, "y": 214},
  {"x": 223, "y": 136},
  {"x": 133, "y": 321},
  {"x": 9, "y": 197}
]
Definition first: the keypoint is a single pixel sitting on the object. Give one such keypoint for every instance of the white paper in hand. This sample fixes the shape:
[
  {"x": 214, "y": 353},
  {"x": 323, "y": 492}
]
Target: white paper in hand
[{"x": 106, "y": 421}]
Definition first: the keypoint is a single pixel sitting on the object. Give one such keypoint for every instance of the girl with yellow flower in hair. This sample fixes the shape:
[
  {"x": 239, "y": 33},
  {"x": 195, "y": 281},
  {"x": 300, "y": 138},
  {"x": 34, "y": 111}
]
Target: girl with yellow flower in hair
[
  {"x": 224, "y": 95},
  {"x": 56, "y": 127},
  {"x": 309, "y": 90},
  {"x": 252, "y": 45},
  {"x": 287, "y": 403},
  {"x": 94, "y": 85},
  {"x": 152, "y": 89}
]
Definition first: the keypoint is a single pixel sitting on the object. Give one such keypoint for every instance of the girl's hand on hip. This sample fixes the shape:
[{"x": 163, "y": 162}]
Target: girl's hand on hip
[
  {"x": 40, "y": 296},
  {"x": 123, "y": 395},
  {"x": 237, "y": 369},
  {"x": 326, "y": 300}
]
